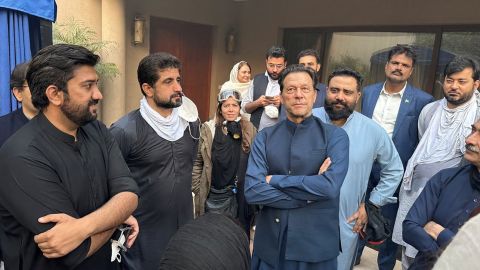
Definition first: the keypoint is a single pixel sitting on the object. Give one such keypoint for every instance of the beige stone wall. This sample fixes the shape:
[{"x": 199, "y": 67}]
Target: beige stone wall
[
  {"x": 220, "y": 14},
  {"x": 107, "y": 19}
]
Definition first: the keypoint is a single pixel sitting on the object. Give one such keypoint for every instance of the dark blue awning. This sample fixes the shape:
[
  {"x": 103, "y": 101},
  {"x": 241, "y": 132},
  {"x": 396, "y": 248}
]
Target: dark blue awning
[{"x": 45, "y": 9}]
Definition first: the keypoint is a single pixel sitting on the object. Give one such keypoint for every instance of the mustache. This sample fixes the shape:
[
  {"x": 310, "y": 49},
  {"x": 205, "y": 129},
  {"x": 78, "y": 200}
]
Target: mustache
[
  {"x": 472, "y": 148},
  {"x": 93, "y": 102},
  {"x": 181, "y": 94},
  {"x": 398, "y": 72},
  {"x": 338, "y": 102}
]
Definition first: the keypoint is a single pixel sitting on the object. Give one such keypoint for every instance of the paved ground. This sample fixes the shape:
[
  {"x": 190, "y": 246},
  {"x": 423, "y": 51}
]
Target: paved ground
[{"x": 369, "y": 261}]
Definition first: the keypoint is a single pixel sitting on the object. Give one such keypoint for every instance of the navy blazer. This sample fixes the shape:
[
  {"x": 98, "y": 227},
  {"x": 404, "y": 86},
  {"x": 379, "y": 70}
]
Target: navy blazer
[
  {"x": 300, "y": 207},
  {"x": 405, "y": 132}
]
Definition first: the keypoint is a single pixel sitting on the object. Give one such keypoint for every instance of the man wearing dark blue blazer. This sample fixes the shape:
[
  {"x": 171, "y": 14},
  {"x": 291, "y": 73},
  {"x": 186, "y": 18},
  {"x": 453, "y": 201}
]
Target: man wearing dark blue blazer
[
  {"x": 295, "y": 171},
  {"x": 395, "y": 105}
]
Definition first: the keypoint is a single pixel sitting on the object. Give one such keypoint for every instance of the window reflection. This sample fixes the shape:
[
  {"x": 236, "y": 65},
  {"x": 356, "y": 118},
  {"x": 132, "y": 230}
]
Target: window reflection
[
  {"x": 367, "y": 53},
  {"x": 454, "y": 43}
]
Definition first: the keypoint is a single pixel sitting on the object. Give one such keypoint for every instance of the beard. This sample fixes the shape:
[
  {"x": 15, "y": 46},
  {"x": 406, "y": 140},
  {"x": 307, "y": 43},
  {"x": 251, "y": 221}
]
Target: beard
[
  {"x": 273, "y": 76},
  {"x": 338, "y": 114},
  {"x": 170, "y": 104},
  {"x": 460, "y": 100},
  {"x": 77, "y": 113}
]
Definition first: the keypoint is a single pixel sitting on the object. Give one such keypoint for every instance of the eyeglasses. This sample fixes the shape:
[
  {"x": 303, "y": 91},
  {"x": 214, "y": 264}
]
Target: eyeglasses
[
  {"x": 278, "y": 66},
  {"x": 292, "y": 90},
  {"x": 226, "y": 94}
]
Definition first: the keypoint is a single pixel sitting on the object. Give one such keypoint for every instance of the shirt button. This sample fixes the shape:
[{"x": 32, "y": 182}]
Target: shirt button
[{"x": 277, "y": 220}]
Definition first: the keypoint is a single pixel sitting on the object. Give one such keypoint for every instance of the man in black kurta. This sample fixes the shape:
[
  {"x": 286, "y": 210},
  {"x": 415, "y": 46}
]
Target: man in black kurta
[
  {"x": 64, "y": 184},
  {"x": 159, "y": 143},
  {"x": 46, "y": 171}
]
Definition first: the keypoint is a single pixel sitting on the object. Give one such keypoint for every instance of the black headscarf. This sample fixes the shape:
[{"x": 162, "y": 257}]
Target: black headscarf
[
  {"x": 212, "y": 242},
  {"x": 226, "y": 154}
]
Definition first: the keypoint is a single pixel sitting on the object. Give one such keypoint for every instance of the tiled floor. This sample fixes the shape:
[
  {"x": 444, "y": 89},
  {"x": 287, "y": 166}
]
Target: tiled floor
[{"x": 369, "y": 261}]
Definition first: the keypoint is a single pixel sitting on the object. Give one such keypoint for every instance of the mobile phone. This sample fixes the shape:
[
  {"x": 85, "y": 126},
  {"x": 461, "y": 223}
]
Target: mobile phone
[{"x": 269, "y": 97}]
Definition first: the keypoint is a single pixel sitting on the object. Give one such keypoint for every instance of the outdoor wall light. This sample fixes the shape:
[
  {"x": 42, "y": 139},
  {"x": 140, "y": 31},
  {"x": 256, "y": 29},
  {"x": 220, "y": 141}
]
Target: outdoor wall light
[
  {"x": 230, "y": 41},
  {"x": 138, "y": 30}
]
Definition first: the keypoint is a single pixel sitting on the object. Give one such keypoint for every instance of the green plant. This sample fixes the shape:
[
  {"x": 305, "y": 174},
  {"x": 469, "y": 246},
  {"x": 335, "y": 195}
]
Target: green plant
[{"x": 75, "y": 32}]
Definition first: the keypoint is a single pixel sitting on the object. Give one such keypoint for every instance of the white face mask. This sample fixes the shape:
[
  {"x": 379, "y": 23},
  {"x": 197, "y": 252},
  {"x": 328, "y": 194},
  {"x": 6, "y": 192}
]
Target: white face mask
[
  {"x": 118, "y": 245},
  {"x": 271, "y": 111}
]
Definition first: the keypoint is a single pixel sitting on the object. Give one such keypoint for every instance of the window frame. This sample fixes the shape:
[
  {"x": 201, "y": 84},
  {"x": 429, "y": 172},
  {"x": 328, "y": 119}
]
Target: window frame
[{"x": 326, "y": 34}]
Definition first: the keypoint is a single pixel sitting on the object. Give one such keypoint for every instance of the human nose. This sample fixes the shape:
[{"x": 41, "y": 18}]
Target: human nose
[
  {"x": 177, "y": 87},
  {"x": 340, "y": 96},
  {"x": 298, "y": 93},
  {"x": 97, "y": 94},
  {"x": 470, "y": 138},
  {"x": 454, "y": 85}
]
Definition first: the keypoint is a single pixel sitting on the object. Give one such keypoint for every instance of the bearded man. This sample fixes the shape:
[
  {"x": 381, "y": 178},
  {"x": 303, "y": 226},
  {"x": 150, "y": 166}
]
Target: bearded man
[
  {"x": 369, "y": 143},
  {"x": 159, "y": 143},
  {"x": 64, "y": 185}
]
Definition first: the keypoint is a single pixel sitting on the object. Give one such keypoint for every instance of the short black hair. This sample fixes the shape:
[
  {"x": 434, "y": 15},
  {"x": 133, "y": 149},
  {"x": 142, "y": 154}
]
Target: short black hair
[
  {"x": 294, "y": 69},
  {"x": 211, "y": 241},
  {"x": 19, "y": 75},
  {"x": 55, "y": 65},
  {"x": 150, "y": 65},
  {"x": 403, "y": 49},
  {"x": 308, "y": 52},
  {"x": 346, "y": 72},
  {"x": 460, "y": 63},
  {"x": 276, "y": 52}
]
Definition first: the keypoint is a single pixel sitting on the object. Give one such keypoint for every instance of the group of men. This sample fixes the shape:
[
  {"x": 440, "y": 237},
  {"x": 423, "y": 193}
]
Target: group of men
[
  {"x": 68, "y": 181},
  {"x": 398, "y": 132}
]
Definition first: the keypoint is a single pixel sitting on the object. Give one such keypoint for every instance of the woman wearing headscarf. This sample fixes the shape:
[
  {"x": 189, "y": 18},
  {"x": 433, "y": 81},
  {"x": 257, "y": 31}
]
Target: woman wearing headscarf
[
  {"x": 221, "y": 162},
  {"x": 240, "y": 80}
]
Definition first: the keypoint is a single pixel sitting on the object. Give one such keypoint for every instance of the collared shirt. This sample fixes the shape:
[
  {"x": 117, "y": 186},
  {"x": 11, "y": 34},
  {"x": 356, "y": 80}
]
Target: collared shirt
[
  {"x": 448, "y": 199},
  {"x": 368, "y": 143},
  {"x": 273, "y": 89},
  {"x": 10, "y": 123},
  {"x": 46, "y": 171},
  {"x": 386, "y": 109}
]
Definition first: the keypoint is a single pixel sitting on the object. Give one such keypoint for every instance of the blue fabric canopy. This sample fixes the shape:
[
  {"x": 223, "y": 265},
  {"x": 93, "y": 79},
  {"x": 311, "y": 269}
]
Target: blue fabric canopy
[
  {"x": 18, "y": 25},
  {"x": 45, "y": 9},
  {"x": 14, "y": 49}
]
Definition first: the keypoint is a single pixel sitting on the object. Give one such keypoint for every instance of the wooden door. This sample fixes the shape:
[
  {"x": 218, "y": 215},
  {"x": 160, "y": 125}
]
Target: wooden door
[{"x": 192, "y": 44}]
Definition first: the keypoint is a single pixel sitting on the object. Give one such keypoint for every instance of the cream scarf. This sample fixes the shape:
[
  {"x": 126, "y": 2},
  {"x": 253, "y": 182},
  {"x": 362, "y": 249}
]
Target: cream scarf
[
  {"x": 171, "y": 128},
  {"x": 234, "y": 84}
]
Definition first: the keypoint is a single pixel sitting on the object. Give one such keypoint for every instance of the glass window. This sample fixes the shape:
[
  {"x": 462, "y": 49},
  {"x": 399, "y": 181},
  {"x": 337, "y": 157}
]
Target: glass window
[
  {"x": 454, "y": 43},
  {"x": 367, "y": 53},
  {"x": 297, "y": 40}
]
